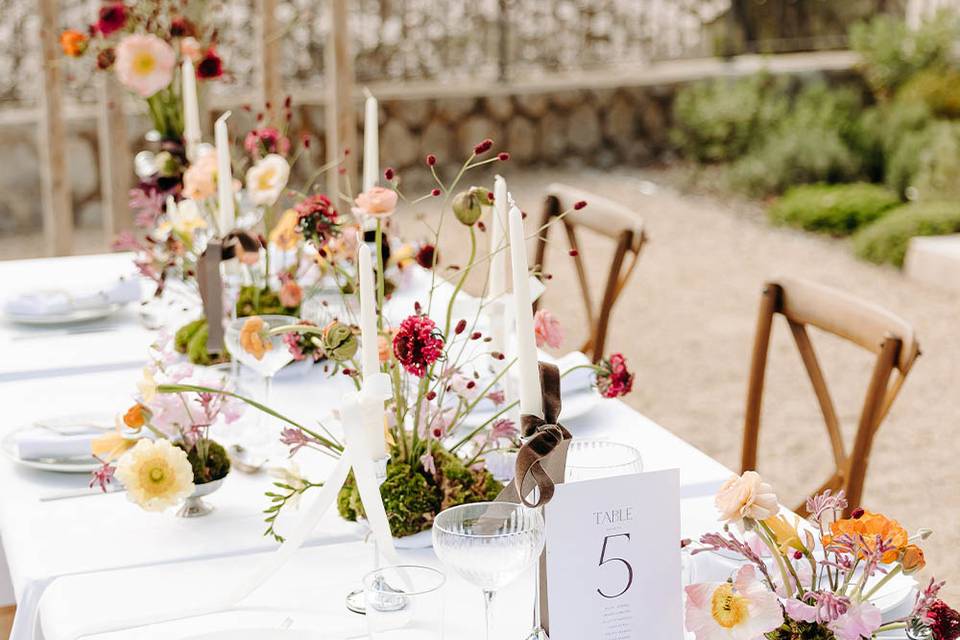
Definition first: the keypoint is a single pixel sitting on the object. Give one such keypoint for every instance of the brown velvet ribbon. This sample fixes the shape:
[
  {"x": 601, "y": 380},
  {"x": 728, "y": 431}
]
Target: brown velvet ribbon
[
  {"x": 541, "y": 464},
  {"x": 210, "y": 279}
]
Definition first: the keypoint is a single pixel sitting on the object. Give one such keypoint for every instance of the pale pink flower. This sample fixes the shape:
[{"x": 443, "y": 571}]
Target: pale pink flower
[
  {"x": 145, "y": 64},
  {"x": 547, "y": 329},
  {"x": 746, "y": 496},
  {"x": 429, "y": 464},
  {"x": 200, "y": 178},
  {"x": 464, "y": 386},
  {"x": 378, "y": 202},
  {"x": 744, "y": 610},
  {"x": 800, "y": 611},
  {"x": 860, "y": 621}
]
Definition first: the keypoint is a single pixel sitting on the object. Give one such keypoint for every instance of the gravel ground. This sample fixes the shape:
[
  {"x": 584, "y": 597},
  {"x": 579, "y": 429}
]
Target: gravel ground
[{"x": 686, "y": 324}]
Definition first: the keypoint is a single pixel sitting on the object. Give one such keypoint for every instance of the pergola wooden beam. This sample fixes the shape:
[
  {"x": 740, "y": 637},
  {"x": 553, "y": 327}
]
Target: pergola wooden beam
[{"x": 341, "y": 119}]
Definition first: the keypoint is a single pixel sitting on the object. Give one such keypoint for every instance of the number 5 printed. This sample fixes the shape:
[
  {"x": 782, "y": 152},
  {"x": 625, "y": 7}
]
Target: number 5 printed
[{"x": 605, "y": 560}]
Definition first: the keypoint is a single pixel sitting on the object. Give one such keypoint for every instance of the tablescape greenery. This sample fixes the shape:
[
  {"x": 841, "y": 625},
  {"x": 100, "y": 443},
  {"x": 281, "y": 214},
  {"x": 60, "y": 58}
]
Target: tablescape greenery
[
  {"x": 143, "y": 44},
  {"x": 161, "y": 450},
  {"x": 440, "y": 370},
  {"x": 809, "y": 579}
]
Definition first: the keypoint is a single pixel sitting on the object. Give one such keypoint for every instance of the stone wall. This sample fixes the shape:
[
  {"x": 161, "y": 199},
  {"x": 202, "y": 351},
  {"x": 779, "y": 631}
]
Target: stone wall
[{"x": 599, "y": 126}]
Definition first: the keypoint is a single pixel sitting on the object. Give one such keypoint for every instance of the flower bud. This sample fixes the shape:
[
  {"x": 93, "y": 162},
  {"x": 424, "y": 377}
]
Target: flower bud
[
  {"x": 911, "y": 558},
  {"x": 339, "y": 343},
  {"x": 466, "y": 207}
]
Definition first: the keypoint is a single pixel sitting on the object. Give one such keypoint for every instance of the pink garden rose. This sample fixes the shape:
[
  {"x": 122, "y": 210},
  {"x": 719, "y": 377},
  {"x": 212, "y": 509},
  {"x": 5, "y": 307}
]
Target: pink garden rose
[
  {"x": 547, "y": 329},
  {"x": 377, "y": 202},
  {"x": 746, "y": 496},
  {"x": 145, "y": 64}
]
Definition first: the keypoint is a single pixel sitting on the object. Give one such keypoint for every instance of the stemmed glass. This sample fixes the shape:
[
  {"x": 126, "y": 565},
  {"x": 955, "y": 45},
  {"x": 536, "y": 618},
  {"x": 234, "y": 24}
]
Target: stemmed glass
[
  {"x": 274, "y": 359},
  {"x": 490, "y": 544},
  {"x": 593, "y": 459}
]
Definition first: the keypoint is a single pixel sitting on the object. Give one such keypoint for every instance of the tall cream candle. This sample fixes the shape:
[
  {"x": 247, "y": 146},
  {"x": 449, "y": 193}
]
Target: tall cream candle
[
  {"x": 498, "y": 239},
  {"x": 191, "y": 110},
  {"x": 371, "y": 144},
  {"x": 531, "y": 400},
  {"x": 227, "y": 216},
  {"x": 368, "y": 313}
]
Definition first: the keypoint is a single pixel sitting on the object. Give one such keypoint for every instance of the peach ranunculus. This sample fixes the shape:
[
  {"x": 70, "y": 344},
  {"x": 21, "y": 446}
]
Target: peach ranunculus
[
  {"x": 385, "y": 347},
  {"x": 200, "y": 178},
  {"x": 378, "y": 202},
  {"x": 253, "y": 338},
  {"x": 286, "y": 233},
  {"x": 868, "y": 528},
  {"x": 73, "y": 43},
  {"x": 145, "y": 64},
  {"x": 912, "y": 559},
  {"x": 547, "y": 329},
  {"x": 746, "y": 496},
  {"x": 291, "y": 294}
]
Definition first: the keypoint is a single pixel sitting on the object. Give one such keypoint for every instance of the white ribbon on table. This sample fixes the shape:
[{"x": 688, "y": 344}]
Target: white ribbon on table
[{"x": 357, "y": 421}]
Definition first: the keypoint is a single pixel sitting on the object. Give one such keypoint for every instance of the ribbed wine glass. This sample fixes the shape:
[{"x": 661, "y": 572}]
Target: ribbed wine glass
[
  {"x": 594, "y": 459},
  {"x": 490, "y": 544}
]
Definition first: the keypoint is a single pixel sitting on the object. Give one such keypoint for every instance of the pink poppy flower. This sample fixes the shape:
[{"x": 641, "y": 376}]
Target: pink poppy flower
[{"x": 145, "y": 64}]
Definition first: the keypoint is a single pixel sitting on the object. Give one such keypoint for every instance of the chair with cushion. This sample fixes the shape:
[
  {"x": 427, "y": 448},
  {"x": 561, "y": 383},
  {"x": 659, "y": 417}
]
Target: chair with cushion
[
  {"x": 807, "y": 304},
  {"x": 611, "y": 220}
]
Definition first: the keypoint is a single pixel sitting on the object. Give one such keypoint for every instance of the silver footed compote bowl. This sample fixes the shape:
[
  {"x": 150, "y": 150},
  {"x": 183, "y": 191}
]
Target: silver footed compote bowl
[
  {"x": 489, "y": 544},
  {"x": 275, "y": 356}
]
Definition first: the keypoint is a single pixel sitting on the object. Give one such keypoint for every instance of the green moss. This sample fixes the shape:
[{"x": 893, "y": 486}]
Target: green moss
[
  {"x": 835, "y": 209},
  {"x": 793, "y": 630},
  {"x": 181, "y": 340},
  {"x": 212, "y": 466},
  {"x": 267, "y": 303},
  {"x": 886, "y": 240}
]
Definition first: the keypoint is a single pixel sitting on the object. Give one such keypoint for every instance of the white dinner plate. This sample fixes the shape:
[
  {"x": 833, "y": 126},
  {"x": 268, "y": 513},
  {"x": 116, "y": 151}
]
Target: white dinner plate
[
  {"x": 84, "y": 464},
  {"x": 259, "y": 634},
  {"x": 68, "y": 317}
]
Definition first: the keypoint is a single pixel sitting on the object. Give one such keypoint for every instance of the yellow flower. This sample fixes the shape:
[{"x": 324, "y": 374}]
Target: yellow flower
[
  {"x": 785, "y": 534},
  {"x": 404, "y": 256},
  {"x": 147, "y": 386},
  {"x": 286, "y": 234},
  {"x": 156, "y": 474}
]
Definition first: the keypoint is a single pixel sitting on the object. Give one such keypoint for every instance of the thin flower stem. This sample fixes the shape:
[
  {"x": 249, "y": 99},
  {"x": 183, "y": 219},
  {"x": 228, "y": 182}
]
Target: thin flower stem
[
  {"x": 769, "y": 540},
  {"x": 380, "y": 277},
  {"x": 483, "y": 426},
  {"x": 884, "y": 580}
]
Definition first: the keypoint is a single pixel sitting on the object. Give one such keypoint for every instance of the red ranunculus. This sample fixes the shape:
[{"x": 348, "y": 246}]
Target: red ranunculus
[
  {"x": 417, "y": 344},
  {"x": 210, "y": 66},
  {"x": 317, "y": 221},
  {"x": 112, "y": 17},
  {"x": 614, "y": 379}
]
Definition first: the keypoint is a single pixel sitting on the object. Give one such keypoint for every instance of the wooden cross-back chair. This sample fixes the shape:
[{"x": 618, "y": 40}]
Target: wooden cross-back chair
[
  {"x": 609, "y": 219},
  {"x": 803, "y": 303}
]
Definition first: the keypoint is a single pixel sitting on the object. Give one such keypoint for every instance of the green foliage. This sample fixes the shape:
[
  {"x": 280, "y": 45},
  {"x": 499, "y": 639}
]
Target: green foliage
[
  {"x": 814, "y": 143},
  {"x": 925, "y": 164},
  {"x": 886, "y": 240},
  {"x": 413, "y": 497},
  {"x": 254, "y": 302},
  {"x": 191, "y": 339},
  {"x": 937, "y": 89},
  {"x": 181, "y": 340},
  {"x": 209, "y": 461},
  {"x": 799, "y": 630},
  {"x": 892, "y": 53},
  {"x": 835, "y": 209},
  {"x": 719, "y": 120},
  {"x": 879, "y": 131}
]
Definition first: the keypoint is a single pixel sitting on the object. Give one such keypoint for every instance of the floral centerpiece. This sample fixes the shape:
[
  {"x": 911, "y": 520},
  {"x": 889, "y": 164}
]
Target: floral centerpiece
[
  {"x": 441, "y": 366},
  {"x": 161, "y": 450},
  {"x": 809, "y": 579}
]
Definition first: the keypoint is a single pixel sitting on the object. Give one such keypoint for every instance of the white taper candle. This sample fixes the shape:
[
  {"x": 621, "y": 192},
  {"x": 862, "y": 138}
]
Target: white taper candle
[
  {"x": 531, "y": 399},
  {"x": 371, "y": 144},
  {"x": 227, "y": 216},
  {"x": 191, "y": 110},
  {"x": 368, "y": 313},
  {"x": 498, "y": 239}
]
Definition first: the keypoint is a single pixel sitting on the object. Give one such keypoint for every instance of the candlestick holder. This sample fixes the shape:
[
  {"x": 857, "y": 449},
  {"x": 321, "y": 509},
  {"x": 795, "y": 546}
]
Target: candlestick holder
[{"x": 356, "y": 599}]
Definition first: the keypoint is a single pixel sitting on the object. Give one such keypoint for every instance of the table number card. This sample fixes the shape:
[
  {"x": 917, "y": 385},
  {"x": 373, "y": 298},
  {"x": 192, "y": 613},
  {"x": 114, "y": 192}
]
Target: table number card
[{"x": 613, "y": 558}]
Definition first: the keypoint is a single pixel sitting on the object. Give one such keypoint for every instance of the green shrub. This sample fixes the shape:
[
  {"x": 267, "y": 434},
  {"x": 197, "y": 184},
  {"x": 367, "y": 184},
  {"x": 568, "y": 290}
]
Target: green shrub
[
  {"x": 836, "y": 209},
  {"x": 879, "y": 130},
  {"x": 718, "y": 120},
  {"x": 892, "y": 53},
  {"x": 938, "y": 89},
  {"x": 886, "y": 239},
  {"x": 925, "y": 164}
]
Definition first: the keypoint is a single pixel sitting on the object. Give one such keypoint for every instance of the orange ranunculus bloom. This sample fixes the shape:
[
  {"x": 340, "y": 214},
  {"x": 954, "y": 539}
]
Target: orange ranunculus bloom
[
  {"x": 912, "y": 559},
  {"x": 73, "y": 43},
  {"x": 871, "y": 525},
  {"x": 252, "y": 339},
  {"x": 134, "y": 417}
]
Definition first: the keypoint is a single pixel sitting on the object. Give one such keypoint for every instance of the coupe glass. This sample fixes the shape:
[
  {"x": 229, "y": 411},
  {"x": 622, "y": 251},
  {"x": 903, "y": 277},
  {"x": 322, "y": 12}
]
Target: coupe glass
[
  {"x": 404, "y": 603},
  {"x": 593, "y": 459},
  {"x": 489, "y": 544},
  {"x": 276, "y": 358}
]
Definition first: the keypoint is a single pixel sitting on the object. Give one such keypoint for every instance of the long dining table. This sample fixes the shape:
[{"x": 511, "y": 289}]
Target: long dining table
[{"x": 76, "y": 560}]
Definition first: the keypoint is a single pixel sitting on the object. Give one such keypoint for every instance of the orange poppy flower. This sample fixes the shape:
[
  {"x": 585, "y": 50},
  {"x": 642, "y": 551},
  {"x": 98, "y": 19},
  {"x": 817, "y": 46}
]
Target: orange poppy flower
[
  {"x": 73, "y": 43},
  {"x": 134, "y": 417},
  {"x": 252, "y": 338},
  {"x": 872, "y": 525}
]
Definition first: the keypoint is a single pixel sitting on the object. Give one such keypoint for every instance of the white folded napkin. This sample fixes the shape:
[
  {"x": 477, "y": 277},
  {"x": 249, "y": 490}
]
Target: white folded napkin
[
  {"x": 60, "y": 301},
  {"x": 38, "y": 443}
]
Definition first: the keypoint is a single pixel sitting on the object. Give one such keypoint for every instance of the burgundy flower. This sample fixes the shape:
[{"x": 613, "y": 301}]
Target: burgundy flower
[
  {"x": 210, "y": 66},
  {"x": 266, "y": 140},
  {"x": 483, "y": 146},
  {"x": 106, "y": 58},
  {"x": 427, "y": 256},
  {"x": 112, "y": 18},
  {"x": 318, "y": 219},
  {"x": 943, "y": 621},
  {"x": 417, "y": 344},
  {"x": 613, "y": 379},
  {"x": 181, "y": 27}
]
